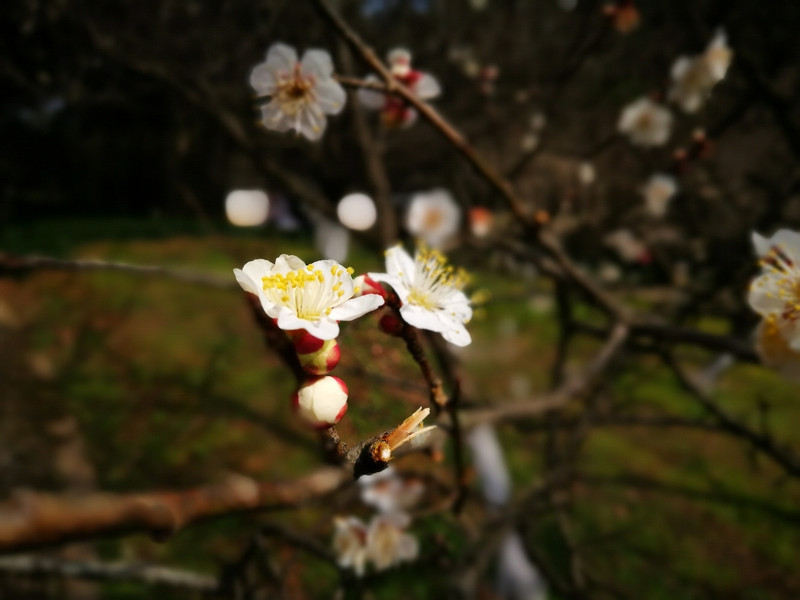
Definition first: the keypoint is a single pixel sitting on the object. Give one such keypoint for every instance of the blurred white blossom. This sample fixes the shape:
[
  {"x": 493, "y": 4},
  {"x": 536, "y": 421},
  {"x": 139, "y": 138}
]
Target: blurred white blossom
[
  {"x": 627, "y": 245},
  {"x": 517, "y": 577},
  {"x": 490, "y": 465},
  {"x": 657, "y": 192},
  {"x": 430, "y": 291},
  {"x": 775, "y": 294},
  {"x": 693, "y": 77},
  {"x": 433, "y": 217},
  {"x": 395, "y": 112},
  {"x": 312, "y": 297},
  {"x": 388, "y": 492},
  {"x": 645, "y": 122},
  {"x": 301, "y": 92},
  {"x": 247, "y": 208},
  {"x": 350, "y": 544},
  {"x": 357, "y": 211},
  {"x": 388, "y": 543}
]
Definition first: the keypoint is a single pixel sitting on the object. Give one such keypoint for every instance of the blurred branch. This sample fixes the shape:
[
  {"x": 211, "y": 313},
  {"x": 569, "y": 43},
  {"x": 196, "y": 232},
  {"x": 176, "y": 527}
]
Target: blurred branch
[
  {"x": 12, "y": 264},
  {"x": 35, "y": 566},
  {"x": 34, "y": 520}
]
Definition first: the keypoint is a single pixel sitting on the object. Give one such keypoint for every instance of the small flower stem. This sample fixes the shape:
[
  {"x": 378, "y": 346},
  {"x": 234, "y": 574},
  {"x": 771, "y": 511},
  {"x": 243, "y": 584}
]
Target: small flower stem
[{"x": 411, "y": 336}]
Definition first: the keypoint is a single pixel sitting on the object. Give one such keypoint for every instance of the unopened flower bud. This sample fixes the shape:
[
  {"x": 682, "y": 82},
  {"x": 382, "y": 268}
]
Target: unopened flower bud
[
  {"x": 321, "y": 401},
  {"x": 321, "y": 361},
  {"x": 390, "y": 324}
]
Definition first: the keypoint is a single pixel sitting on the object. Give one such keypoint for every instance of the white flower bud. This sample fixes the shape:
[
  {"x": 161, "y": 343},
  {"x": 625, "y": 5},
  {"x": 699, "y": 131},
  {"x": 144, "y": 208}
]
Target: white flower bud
[{"x": 322, "y": 401}]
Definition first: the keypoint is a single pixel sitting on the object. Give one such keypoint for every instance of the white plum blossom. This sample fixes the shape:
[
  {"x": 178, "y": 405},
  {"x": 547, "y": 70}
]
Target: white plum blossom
[
  {"x": 350, "y": 544},
  {"x": 774, "y": 350},
  {"x": 430, "y": 291},
  {"x": 433, "y": 217},
  {"x": 301, "y": 92},
  {"x": 388, "y": 544},
  {"x": 395, "y": 112},
  {"x": 693, "y": 77},
  {"x": 388, "y": 492},
  {"x": 311, "y": 297},
  {"x": 657, "y": 192},
  {"x": 645, "y": 122},
  {"x": 775, "y": 294}
]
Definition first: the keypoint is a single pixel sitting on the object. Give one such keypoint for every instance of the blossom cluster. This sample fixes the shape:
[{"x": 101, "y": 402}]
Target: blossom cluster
[
  {"x": 309, "y": 300},
  {"x": 383, "y": 541}
]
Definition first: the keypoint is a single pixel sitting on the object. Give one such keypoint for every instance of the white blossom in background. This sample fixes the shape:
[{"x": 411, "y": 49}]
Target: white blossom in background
[
  {"x": 350, "y": 544},
  {"x": 301, "y": 92},
  {"x": 645, "y": 122},
  {"x": 357, "y": 212},
  {"x": 775, "y": 294},
  {"x": 586, "y": 173},
  {"x": 331, "y": 239},
  {"x": 388, "y": 543},
  {"x": 517, "y": 577},
  {"x": 657, "y": 192},
  {"x": 693, "y": 77},
  {"x": 394, "y": 111},
  {"x": 490, "y": 465},
  {"x": 775, "y": 351},
  {"x": 247, "y": 208},
  {"x": 627, "y": 245},
  {"x": 312, "y": 297},
  {"x": 433, "y": 217},
  {"x": 388, "y": 492},
  {"x": 430, "y": 291}
]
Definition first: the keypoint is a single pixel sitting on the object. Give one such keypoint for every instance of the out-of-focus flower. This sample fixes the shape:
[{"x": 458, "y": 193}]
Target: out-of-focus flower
[
  {"x": 586, "y": 173},
  {"x": 628, "y": 246},
  {"x": 490, "y": 464},
  {"x": 247, "y": 208},
  {"x": 388, "y": 492},
  {"x": 350, "y": 544},
  {"x": 608, "y": 272},
  {"x": 331, "y": 239},
  {"x": 657, "y": 192},
  {"x": 480, "y": 221},
  {"x": 394, "y": 111},
  {"x": 433, "y": 217},
  {"x": 388, "y": 544},
  {"x": 322, "y": 401},
  {"x": 775, "y": 351},
  {"x": 529, "y": 142},
  {"x": 517, "y": 577},
  {"x": 357, "y": 212},
  {"x": 430, "y": 291},
  {"x": 693, "y": 77},
  {"x": 301, "y": 92},
  {"x": 311, "y": 297},
  {"x": 646, "y": 123},
  {"x": 775, "y": 294}
]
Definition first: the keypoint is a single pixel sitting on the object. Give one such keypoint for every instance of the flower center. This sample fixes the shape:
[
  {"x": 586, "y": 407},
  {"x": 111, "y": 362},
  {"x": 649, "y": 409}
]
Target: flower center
[
  {"x": 307, "y": 291},
  {"x": 434, "y": 279},
  {"x": 779, "y": 263},
  {"x": 294, "y": 91}
]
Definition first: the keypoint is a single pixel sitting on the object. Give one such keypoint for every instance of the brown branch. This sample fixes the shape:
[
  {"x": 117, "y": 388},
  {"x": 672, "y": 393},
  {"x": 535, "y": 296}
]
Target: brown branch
[
  {"x": 497, "y": 181},
  {"x": 32, "y": 520},
  {"x": 149, "y": 574},
  {"x": 11, "y": 264}
]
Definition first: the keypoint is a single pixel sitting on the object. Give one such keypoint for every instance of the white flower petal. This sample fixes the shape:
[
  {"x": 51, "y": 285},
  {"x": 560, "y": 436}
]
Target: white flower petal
[
  {"x": 400, "y": 264},
  {"x": 427, "y": 87},
  {"x": 281, "y": 58},
  {"x": 398, "y": 285},
  {"x": 288, "y": 262},
  {"x": 421, "y": 318},
  {"x": 262, "y": 79},
  {"x": 331, "y": 96},
  {"x": 458, "y": 336},
  {"x": 369, "y": 98},
  {"x": 317, "y": 63},
  {"x": 356, "y": 307}
]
